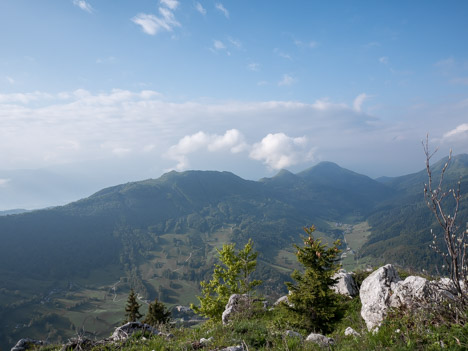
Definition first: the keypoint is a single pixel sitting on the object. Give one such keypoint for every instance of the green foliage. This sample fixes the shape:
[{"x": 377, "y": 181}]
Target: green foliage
[
  {"x": 157, "y": 313},
  {"x": 314, "y": 303},
  {"x": 132, "y": 309},
  {"x": 232, "y": 277}
]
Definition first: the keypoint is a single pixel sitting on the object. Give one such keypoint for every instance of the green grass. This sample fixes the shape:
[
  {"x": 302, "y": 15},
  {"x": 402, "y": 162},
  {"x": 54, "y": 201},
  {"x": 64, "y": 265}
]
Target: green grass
[{"x": 259, "y": 329}]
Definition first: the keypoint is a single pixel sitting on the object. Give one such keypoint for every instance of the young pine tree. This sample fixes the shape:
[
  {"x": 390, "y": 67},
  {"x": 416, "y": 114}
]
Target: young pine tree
[
  {"x": 132, "y": 310},
  {"x": 157, "y": 314},
  {"x": 232, "y": 277},
  {"x": 314, "y": 303}
]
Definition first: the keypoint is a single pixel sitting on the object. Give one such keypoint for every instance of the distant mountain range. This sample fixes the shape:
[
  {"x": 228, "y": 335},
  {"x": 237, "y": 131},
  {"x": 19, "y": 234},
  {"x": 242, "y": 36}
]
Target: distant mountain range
[{"x": 159, "y": 236}]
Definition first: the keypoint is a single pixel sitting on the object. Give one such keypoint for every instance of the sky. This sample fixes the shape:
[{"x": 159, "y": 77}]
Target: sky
[{"x": 95, "y": 93}]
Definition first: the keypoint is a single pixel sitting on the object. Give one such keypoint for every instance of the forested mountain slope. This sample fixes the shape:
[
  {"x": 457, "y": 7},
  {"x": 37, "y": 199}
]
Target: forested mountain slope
[{"x": 70, "y": 267}]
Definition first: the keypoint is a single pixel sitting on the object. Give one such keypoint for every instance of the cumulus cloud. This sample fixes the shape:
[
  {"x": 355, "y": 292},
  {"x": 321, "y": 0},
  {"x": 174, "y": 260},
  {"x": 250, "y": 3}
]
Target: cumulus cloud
[
  {"x": 286, "y": 80},
  {"x": 232, "y": 140},
  {"x": 200, "y": 8},
  {"x": 222, "y": 9},
  {"x": 24, "y": 98},
  {"x": 280, "y": 151},
  {"x": 85, "y": 6},
  {"x": 166, "y": 21},
  {"x": 41, "y": 129}
]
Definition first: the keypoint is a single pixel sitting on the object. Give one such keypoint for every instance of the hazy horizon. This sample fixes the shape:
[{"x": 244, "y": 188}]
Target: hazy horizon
[{"x": 93, "y": 94}]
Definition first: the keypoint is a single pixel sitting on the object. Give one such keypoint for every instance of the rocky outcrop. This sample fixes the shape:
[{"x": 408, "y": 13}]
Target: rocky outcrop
[
  {"x": 411, "y": 292},
  {"x": 25, "y": 344},
  {"x": 320, "y": 340},
  {"x": 350, "y": 331},
  {"x": 283, "y": 299},
  {"x": 236, "y": 303},
  {"x": 375, "y": 295},
  {"x": 384, "y": 289},
  {"x": 123, "y": 332},
  {"x": 233, "y": 348},
  {"x": 345, "y": 284}
]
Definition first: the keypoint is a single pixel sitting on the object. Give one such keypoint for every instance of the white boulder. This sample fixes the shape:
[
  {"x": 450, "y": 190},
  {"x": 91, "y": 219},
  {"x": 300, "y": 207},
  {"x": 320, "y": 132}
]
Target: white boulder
[
  {"x": 375, "y": 295},
  {"x": 320, "y": 340},
  {"x": 345, "y": 284}
]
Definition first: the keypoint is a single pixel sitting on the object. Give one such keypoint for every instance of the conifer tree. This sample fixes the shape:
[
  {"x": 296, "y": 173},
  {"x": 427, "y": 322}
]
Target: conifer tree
[
  {"x": 132, "y": 310},
  {"x": 232, "y": 277},
  {"x": 315, "y": 304},
  {"x": 157, "y": 313}
]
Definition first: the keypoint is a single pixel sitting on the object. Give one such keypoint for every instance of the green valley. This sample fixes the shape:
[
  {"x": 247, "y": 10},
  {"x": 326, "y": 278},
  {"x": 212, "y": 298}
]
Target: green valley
[{"x": 68, "y": 269}]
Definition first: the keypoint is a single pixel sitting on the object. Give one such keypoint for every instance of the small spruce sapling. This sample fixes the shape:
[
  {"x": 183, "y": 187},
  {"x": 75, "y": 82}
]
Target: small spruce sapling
[
  {"x": 233, "y": 276},
  {"x": 313, "y": 302},
  {"x": 132, "y": 309},
  {"x": 157, "y": 314}
]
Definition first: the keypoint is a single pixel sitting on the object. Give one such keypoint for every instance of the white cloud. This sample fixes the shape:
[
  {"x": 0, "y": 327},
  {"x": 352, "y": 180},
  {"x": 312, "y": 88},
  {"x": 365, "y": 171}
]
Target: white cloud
[
  {"x": 254, "y": 66},
  {"x": 218, "y": 45},
  {"x": 232, "y": 140},
  {"x": 172, "y": 4},
  {"x": 286, "y": 80},
  {"x": 357, "y": 104},
  {"x": 41, "y": 129},
  {"x": 200, "y": 8},
  {"x": 280, "y": 151},
  {"x": 445, "y": 63},
  {"x": 235, "y": 42},
  {"x": 166, "y": 20},
  {"x": 459, "y": 133},
  {"x": 85, "y": 6},
  {"x": 24, "y": 98},
  {"x": 384, "y": 60},
  {"x": 10, "y": 80},
  {"x": 282, "y": 54},
  {"x": 222, "y": 9},
  {"x": 110, "y": 59},
  {"x": 4, "y": 182},
  {"x": 306, "y": 45}
]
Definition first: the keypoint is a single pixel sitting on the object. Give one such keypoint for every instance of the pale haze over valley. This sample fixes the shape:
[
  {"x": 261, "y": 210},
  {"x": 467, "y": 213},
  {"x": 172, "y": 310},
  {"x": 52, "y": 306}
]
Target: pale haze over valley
[{"x": 96, "y": 93}]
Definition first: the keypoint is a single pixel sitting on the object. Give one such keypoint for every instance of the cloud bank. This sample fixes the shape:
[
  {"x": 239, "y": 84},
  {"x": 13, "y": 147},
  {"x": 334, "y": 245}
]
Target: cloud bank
[{"x": 41, "y": 129}]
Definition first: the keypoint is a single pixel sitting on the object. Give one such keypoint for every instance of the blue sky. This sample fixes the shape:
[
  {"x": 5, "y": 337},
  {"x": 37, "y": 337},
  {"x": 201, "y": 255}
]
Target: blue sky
[{"x": 101, "y": 92}]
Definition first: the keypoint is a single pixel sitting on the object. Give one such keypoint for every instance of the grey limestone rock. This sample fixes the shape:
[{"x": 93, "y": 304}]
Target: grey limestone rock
[
  {"x": 124, "y": 331},
  {"x": 233, "y": 348},
  {"x": 320, "y": 340},
  {"x": 25, "y": 344},
  {"x": 345, "y": 284},
  {"x": 375, "y": 294},
  {"x": 350, "y": 331},
  {"x": 236, "y": 303},
  {"x": 383, "y": 289},
  {"x": 283, "y": 299}
]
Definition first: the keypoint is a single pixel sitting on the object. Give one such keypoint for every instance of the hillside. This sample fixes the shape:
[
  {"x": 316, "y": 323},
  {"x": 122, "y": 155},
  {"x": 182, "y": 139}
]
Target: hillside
[
  {"x": 70, "y": 267},
  {"x": 401, "y": 226}
]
